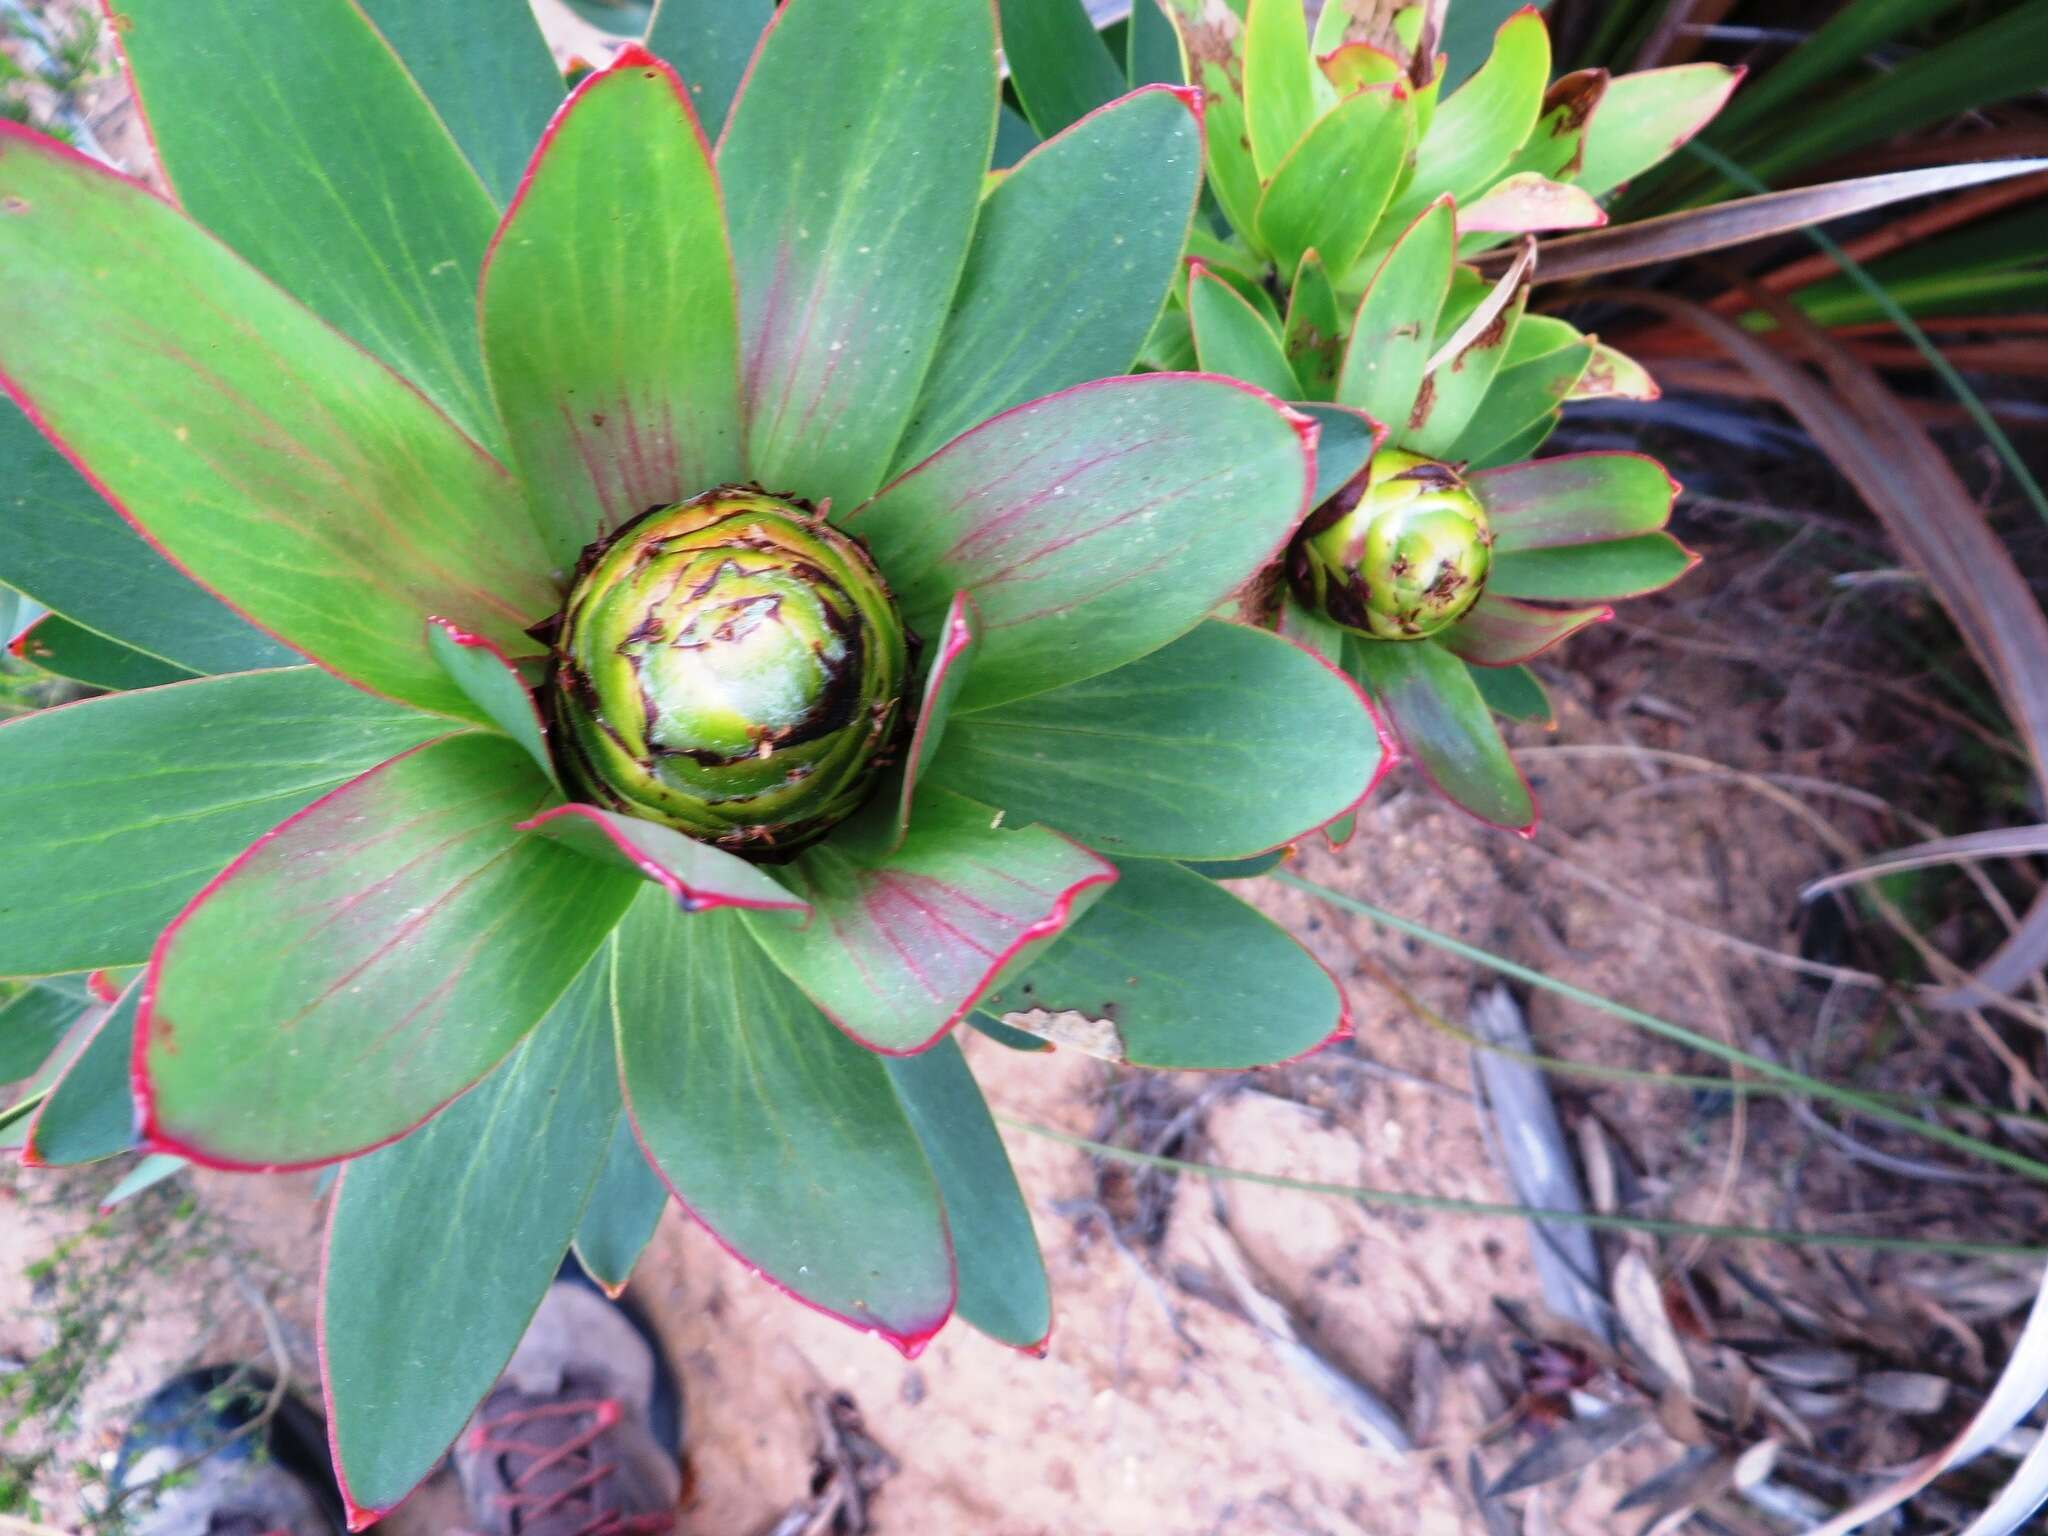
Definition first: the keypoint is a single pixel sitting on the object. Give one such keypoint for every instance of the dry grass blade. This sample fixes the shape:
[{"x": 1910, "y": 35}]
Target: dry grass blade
[
  {"x": 1744, "y": 219},
  {"x": 1571, "y": 1447},
  {"x": 1929, "y": 514},
  {"x": 1489, "y": 308},
  {"x": 1998, "y": 843}
]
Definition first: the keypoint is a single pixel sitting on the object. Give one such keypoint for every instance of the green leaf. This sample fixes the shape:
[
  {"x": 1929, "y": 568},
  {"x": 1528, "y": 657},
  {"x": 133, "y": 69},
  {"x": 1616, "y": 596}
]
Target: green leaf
[
  {"x": 1346, "y": 440},
  {"x": 609, "y": 315},
  {"x": 366, "y": 962},
  {"x": 31, "y": 1024},
  {"x": 467, "y": 1219},
  {"x": 1556, "y": 149},
  {"x": 1003, "y": 1035},
  {"x": 1072, "y": 257},
  {"x": 1646, "y": 116},
  {"x": 1212, "y": 60},
  {"x": 1154, "y": 51},
  {"x": 1434, "y": 706},
  {"x": 1331, "y": 189},
  {"x": 1578, "y": 573},
  {"x": 902, "y": 946},
  {"x": 294, "y": 133},
  {"x": 954, "y": 649},
  {"x": 1480, "y": 125},
  {"x": 64, "y": 546},
  {"x": 710, "y": 42},
  {"x": 1314, "y": 334},
  {"x": 1239, "y": 869},
  {"x": 1500, "y": 632},
  {"x": 1523, "y": 443},
  {"x": 1514, "y": 692},
  {"x": 1226, "y": 743},
  {"x": 65, "y": 649},
  {"x": 1175, "y": 972},
  {"x": 494, "y": 685},
  {"x": 147, "y": 1173},
  {"x": 1455, "y": 391},
  {"x": 1092, "y": 526},
  {"x": 488, "y": 72},
  {"x": 1058, "y": 64},
  {"x": 1003, "y": 1290},
  {"x": 774, "y": 1130},
  {"x": 1577, "y": 498},
  {"x": 625, "y": 1206},
  {"x": 119, "y": 809},
  {"x": 90, "y": 1114},
  {"x": 853, "y": 168},
  {"x": 272, "y": 459},
  {"x": 1232, "y": 339},
  {"x": 696, "y": 874},
  {"x": 1521, "y": 396},
  {"x": 1279, "y": 99},
  {"x": 17, "y": 1116},
  {"x": 1391, "y": 335}
]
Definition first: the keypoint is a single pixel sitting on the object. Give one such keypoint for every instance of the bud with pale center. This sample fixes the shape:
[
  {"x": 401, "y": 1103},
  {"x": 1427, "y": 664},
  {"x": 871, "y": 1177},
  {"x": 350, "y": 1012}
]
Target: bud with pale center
[
  {"x": 1399, "y": 554},
  {"x": 733, "y": 667}
]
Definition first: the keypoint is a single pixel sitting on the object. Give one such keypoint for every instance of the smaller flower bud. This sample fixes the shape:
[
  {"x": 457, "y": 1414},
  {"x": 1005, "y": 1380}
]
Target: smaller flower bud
[{"x": 1400, "y": 553}]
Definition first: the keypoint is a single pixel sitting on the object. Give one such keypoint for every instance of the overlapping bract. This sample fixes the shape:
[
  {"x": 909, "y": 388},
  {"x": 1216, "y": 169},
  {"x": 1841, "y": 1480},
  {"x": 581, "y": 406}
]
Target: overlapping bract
[{"x": 431, "y": 918}]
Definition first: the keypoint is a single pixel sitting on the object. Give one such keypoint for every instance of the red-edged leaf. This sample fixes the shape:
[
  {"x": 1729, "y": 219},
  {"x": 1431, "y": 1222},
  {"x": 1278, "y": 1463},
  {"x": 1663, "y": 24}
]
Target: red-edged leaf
[
  {"x": 1582, "y": 573},
  {"x": 1212, "y": 60},
  {"x": 776, "y": 1132},
  {"x": 698, "y": 875},
  {"x": 1233, "y": 339},
  {"x": 1330, "y": 190},
  {"x": 902, "y": 947},
  {"x": 853, "y": 164},
  {"x": 364, "y": 962},
  {"x": 1093, "y": 526},
  {"x": 1500, "y": 632},
  {"x": 610, "y": 319},
  {"x": 953, "y": 656},
  {"x": 265, "y": 454},
  {"x": 1527, "y": 201},
  {"x": 1445, "y": 727},
  {"x": 1577, "y": 498},
  {"x": 89, "y": 1114},
  {"x": 494, "y": 685},
  {"x": 1393, "y": 333},
  {"x": 1646, "y": 116}
]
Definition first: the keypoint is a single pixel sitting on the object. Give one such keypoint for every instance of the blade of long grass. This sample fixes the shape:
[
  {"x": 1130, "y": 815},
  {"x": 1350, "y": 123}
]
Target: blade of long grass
[
  {"x": 1397, "y": 1199},
  {"x": 1846, "y": 1098},
  {"x": 1953, "y": 381},
  {"x": 1695, "y": 231},
  {"x": 1999, "y": 843}
]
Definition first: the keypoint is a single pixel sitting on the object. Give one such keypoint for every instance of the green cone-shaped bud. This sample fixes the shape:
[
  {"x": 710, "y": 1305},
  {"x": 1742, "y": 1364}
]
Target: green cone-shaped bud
[
  {"x": 1400, "y": 553},
  {"x": 733, "y": 667}
]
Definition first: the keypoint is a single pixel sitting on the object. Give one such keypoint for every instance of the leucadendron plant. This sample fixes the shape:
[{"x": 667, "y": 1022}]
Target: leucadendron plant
[
  {"x": 751, "y": 630},
  {"x": 1364, "y": 267}
]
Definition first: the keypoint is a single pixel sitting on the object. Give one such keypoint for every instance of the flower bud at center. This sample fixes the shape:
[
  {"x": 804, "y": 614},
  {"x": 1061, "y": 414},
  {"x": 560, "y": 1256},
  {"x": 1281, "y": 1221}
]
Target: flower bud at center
[
  {"x": 1400, "y": 553},
  {"x": 733, "y": 667}
]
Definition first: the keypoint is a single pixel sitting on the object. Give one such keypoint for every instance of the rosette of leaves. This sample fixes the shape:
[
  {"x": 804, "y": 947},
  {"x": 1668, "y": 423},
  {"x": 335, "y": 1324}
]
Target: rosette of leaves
[
  {"x": 1359, "y": 207},
  {"x": 374, "y": 386}
]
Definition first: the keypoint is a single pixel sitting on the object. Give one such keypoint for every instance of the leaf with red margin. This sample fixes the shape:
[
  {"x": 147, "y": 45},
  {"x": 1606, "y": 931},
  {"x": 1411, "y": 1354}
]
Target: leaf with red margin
[
  {"x": 1329, "y": 193},
  {"x": 119, "y": 809},
  {"x": 90, "y": 1113},
  {"x": 904, "y": 945},
  {"x": 1232, "y": 339},
  {"x": 1472, "y": 137},
  {"x": 1445, "y": 727},
  {"x": 293, "y": 132},
  {"x": 776, "y": 1132},
  {"x": 1500, "y": 632},
  {"x": 1279, "y": 101},
  {"x": 494, "y": 686},
  {"x": 1095, "y": 525},
  {"x": 262, "y": 452},
  {"x": 958, "y": 639},
  {"x": 609, "y": 315},
  {"x": 1211, "y": 36},
  {"x": 467, "y": 1219},
  {"x": 709, "y": 42},
  {"x": 1003, "y": 1290},
  {"x": 365, "y": 962},
  {"x": 625, "y": 1206},
  {"x": 1592, "y": 573},
  {"x": 15, "y": 1118},
  {"x": 1098, "y": 217},
  {"x": 1577, "y": 498},
  {"x": 1646, "y": 116},
  {"x": 64, "y": 649},
  {"x": 1222, "y": 745},
  {"x": 853, "y": 164},
  {"x": 699, "y": 876},
  {"x": 1175, "y": 972},
  {"x": 34, "y": 1019},
  {"x": 1528, "y": 202},
  {"x": 1394, "y": 331}
]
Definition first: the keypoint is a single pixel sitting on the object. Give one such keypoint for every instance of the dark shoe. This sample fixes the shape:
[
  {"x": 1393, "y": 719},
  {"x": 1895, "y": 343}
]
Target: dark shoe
[
  {"x": 567, "y": 1443},
  {"x": 200, "y": 1459}
]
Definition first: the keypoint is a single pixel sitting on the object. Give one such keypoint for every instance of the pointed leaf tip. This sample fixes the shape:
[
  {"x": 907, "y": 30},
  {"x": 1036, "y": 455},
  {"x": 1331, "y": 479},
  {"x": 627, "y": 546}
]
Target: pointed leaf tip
[{"x": 699, "y": 876}]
